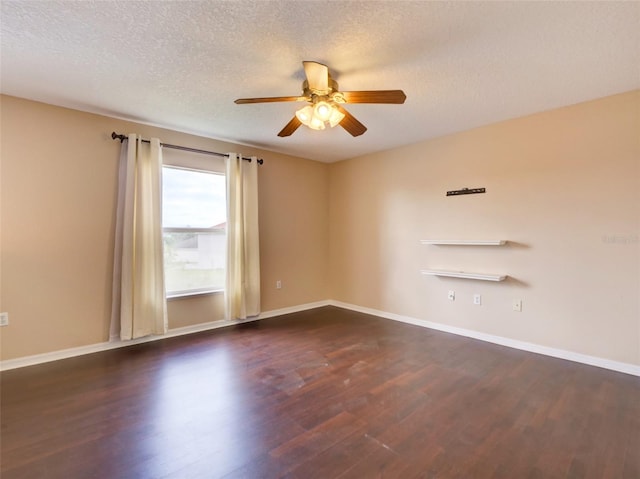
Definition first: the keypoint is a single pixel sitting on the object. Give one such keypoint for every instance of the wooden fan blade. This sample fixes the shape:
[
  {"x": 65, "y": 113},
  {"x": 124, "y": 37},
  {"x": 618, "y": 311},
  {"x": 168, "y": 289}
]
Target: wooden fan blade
[
  {"x": 349, "y": 123},
  {"x": 290, "y": 127},
  {"x": 317, "y": 75},
  {"x": 375, "y": 96},
  {"x": 273, "y": 99}
]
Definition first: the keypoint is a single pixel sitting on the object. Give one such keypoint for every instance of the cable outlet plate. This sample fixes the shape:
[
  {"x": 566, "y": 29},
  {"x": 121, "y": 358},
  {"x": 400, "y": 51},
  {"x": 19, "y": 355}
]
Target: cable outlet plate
[
  {"x": 451, "y": 295},
  {"x": 517, "y": 305}
]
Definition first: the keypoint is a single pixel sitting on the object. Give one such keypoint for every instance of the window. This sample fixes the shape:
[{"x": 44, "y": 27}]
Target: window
[{"x": 194, "y": 217}]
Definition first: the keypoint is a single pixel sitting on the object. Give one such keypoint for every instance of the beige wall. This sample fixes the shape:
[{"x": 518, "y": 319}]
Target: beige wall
[
  {"x": 57, "y": 199},
  {"x": 563, "y": 187}
]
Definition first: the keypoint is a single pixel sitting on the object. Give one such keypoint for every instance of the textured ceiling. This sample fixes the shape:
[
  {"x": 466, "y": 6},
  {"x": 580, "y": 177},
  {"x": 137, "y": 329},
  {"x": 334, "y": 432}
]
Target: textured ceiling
[{"x": 180, "y": 64}]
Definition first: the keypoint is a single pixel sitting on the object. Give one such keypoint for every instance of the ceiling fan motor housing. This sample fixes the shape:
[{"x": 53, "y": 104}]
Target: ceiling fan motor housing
[{"x": 330, "y": 94}]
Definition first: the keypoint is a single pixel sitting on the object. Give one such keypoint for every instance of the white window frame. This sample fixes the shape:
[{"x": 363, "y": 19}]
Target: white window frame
[{"x": 192, "y": 291}]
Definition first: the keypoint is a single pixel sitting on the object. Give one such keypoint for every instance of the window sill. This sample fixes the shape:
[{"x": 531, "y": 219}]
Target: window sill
[{"x": 190, "y": 294}]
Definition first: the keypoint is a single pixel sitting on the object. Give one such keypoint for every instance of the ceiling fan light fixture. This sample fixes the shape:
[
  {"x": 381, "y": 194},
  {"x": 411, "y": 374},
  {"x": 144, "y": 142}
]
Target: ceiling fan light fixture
[
  {"x": 316, "y": 116},
  {"x": 336, "y": 117},
  {"x": 322, "y": 110},
  {"x": 316, "y": 124},
  {"x": 324, "y": 101},
  {"x": 305, "y": 115}
]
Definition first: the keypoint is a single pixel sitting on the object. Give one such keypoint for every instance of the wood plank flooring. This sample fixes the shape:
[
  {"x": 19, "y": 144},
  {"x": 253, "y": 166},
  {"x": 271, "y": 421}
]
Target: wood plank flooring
[{"x": 326, "y": 393}]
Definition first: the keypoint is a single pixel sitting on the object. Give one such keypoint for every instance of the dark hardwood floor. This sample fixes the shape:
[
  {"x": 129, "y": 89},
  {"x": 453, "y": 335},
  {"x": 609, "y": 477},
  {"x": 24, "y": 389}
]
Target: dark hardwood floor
[{"x": 324, "y": 394}]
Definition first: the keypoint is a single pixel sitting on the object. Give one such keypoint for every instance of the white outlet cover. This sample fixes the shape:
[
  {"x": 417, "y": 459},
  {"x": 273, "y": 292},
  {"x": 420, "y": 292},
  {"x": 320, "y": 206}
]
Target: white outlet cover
[
  {"x": 477, "y": 299},
  {"x": 451, "y": 295},
  {"x": 4, "y": 319}
]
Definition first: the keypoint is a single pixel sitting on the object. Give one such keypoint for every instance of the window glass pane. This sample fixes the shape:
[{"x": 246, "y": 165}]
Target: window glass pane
[
  {"x": 194, "y": 261},
  {"x": 192, "y": 199}
]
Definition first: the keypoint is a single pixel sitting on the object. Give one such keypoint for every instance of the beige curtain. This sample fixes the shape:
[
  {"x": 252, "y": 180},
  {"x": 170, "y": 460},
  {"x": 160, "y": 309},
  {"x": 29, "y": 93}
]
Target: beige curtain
[
  {"x": 242, "y": 289},
  {"x": 139, "y": 305}
]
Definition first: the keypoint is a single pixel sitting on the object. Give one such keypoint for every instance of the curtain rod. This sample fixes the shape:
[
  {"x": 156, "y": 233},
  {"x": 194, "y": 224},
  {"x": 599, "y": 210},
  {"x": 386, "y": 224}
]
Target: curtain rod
[{"x": 116, "y": 136}]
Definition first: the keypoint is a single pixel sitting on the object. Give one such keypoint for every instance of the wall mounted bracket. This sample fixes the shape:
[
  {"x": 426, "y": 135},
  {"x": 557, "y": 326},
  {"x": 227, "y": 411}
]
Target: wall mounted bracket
[{"x": 466, "y": 191}]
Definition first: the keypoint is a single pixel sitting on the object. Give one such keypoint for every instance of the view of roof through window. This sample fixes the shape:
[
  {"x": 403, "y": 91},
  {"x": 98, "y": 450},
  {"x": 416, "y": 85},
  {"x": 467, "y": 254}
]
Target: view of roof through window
[{"x": 192, "y": 199}]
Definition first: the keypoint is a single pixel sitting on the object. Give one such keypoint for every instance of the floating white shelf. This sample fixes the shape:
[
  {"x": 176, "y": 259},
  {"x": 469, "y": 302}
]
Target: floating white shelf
[
  {"x": 464, "y": 242},
  {"x": 460, "y": 274}
]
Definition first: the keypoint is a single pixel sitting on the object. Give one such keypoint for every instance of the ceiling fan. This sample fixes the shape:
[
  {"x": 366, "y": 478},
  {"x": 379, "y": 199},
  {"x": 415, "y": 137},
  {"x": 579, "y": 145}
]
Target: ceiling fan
[{"x": 325, "y": 102}]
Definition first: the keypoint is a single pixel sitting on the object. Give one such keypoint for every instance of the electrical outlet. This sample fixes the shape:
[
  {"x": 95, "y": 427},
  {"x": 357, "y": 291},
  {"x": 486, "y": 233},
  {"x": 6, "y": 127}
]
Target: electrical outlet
[
  {"x": 451, "y": 295},
  {"x": 278, "y": 284},
  {"x": 477, "y": 299},
  {"x": 4, "y": 319},
  {"x": 517, "y": 305}
]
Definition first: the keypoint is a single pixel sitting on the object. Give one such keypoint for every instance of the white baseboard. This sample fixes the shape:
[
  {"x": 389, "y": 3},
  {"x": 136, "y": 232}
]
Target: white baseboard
[
  {"x": 294, "y": 309},
  {"x": 95, "y": 348},
  {"x": 511, "y": 343}
]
